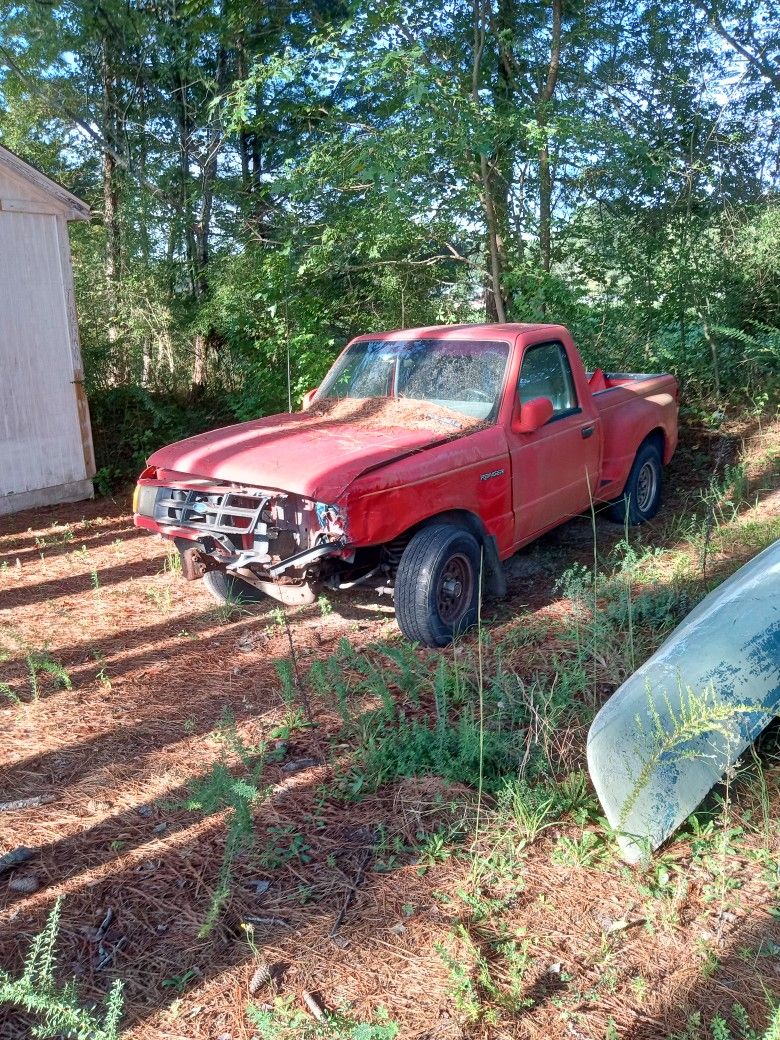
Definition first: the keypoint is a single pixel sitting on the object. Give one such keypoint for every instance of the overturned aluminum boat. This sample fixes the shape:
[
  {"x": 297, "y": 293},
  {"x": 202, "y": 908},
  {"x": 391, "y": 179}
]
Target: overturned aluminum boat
[{"x": 676, "y": 726}]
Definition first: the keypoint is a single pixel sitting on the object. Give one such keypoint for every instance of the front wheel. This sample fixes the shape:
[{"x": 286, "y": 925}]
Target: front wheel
[
  {"x": 437, "y": 585},
  {"x": 225, "y": 588},
  {"x": 642, "y": 494}
]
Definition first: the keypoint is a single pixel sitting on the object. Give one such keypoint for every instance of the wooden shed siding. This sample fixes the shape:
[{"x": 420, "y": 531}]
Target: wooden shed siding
[
  {"x": 82, "y": 405},
  {"x": 13, "y": 187},
  {"x": 42, "y": 444}
]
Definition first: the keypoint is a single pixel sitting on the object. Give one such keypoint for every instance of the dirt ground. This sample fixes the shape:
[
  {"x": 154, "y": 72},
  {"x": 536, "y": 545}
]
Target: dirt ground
[{"x": 154, "y": 664}]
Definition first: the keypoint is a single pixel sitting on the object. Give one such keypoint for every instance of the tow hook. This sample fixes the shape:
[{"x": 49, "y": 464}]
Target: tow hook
[{"x": 192, "y": 563}]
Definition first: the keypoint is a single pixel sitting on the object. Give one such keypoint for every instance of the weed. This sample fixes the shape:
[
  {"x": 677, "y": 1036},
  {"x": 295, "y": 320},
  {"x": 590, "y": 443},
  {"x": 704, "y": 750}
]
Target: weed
[
  {"x": 220, "y": 790},
  {"x": 491, "y": 971},
  {"x": 676, "y": 732},
  {"x": 664, "y": 890},
  {"x": 233, "y": 607},
  {"x": 325, "y": 606},
  {"x": 283, "y": 1021},
  {"x": 59, "y": 536},
  {"x": 8, "y": 692},
  {"x": 326, "y": 679},
  {"x": 286, "y": 845},
  {"x": 639, "y": 988},
  {"x": 292, "y": 720},
  {"x": 436, "y": 847},
  {"x": 55, "y": 1006},
  {"x": 588, "y": 850},
  {"x": 387, "y": 851},
  {"x": 41, "y": 662},
  {"x": 465, "y": 995},
  {"x": 172, "y": 561},
  {"x": 105, "y": 479},
  {"x": 180, "y": 982},
  {"x": 162, "y": 598},
  {"x": 531, "y": 809}
]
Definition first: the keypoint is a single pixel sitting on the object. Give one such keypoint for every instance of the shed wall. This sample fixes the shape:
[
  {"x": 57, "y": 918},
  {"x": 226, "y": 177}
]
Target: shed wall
[
  {"x": 14, "y": 187},
  {"x": 42, "y": 446}
]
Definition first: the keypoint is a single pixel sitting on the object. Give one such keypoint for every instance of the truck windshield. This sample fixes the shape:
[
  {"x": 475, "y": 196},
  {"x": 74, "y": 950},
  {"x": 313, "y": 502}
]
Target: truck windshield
[{"x": 464, "y": 376}]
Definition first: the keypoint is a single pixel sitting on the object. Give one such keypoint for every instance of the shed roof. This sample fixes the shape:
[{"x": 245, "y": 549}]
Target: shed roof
[{"x": 71, "y": 207}]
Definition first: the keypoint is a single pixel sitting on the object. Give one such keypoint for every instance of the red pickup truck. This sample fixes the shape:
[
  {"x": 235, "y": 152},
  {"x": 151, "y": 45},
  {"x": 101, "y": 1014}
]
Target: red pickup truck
[{"x": 424, "y": 459}]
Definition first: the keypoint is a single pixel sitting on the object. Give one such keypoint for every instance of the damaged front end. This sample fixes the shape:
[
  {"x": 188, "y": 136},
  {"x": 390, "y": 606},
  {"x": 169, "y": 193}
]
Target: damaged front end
[{"x": 282, "y": 544}]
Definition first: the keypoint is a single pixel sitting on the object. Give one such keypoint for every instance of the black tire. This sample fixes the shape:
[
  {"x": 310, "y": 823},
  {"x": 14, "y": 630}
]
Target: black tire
[
  {"x": 437, "y": 585},
  {"x": 225, "y": 588},
  {"x": 642, "y": 494}
]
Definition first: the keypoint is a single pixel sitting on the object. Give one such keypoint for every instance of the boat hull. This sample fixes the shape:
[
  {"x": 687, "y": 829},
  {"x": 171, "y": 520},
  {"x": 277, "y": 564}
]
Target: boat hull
[{"x": 673, "y": 729}]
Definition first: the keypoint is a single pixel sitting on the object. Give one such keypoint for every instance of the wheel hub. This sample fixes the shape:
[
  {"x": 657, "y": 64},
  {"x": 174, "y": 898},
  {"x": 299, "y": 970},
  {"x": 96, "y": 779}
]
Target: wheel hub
[
  {"x": 645, "y": 486},
  {"x": 451, "y": 587},
  {"x": 455, "y": 589}
]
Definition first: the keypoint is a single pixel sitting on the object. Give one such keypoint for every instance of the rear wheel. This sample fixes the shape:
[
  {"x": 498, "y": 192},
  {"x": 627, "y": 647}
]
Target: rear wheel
[
  {"x": 437, "y": 585},
  {"x": 225, "y": 588},
  {"x": 642, "y": 495}
]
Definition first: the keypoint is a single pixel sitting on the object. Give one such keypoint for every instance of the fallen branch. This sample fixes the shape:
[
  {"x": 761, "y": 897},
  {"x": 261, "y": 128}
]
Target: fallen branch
[
  {"x": 312, "y": 1005},
  {"x": 26, "y": 803},
  {"x": 350, "y": 893}
]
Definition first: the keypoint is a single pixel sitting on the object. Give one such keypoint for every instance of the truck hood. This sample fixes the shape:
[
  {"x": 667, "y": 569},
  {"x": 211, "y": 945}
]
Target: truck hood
[{"x": 313, "y": 456}]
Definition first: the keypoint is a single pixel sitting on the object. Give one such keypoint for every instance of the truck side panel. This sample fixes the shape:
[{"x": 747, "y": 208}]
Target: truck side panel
[{"x": 471, "y": 474}]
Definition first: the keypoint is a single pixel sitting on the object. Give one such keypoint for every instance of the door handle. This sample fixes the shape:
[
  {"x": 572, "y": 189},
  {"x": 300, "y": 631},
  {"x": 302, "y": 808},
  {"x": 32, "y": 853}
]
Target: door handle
[{"x": 587, "y": 431}]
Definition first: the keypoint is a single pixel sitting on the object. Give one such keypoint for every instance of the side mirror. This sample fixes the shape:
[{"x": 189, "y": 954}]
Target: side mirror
[
  {"x": 533, "y": 414},
  {"x": 307, "y": 399}
]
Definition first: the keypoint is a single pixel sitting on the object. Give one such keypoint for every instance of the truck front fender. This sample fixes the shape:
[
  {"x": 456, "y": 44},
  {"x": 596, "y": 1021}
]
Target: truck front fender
[{"x": 493, "y": 580}]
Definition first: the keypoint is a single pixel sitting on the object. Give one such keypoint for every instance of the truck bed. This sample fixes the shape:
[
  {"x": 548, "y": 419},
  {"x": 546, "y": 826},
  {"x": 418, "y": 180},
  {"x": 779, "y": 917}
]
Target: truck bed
[
  {"x": 645, "y": 401},
  {"x": 600, "y": 381}
]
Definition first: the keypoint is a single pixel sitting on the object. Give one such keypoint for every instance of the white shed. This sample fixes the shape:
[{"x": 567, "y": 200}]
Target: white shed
[{"x": 46, "y": 451}]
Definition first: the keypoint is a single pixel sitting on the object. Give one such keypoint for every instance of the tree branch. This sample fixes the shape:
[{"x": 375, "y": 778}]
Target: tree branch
[
  {"x": 61, "y": 108},
  {"x": 756, "y": 60}
]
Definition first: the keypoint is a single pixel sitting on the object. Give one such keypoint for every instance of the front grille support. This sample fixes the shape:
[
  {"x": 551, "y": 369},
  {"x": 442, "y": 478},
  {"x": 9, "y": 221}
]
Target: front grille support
[{"x": 211, "y": 512}]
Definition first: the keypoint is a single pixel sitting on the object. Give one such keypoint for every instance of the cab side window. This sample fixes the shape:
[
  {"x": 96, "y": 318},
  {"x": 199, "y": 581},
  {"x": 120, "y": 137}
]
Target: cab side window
[{"x": 546, "y": 372}]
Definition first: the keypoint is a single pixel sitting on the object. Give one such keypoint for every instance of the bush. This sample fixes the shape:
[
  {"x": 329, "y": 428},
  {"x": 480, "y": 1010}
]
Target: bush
[{"x": 129, "y": 423}]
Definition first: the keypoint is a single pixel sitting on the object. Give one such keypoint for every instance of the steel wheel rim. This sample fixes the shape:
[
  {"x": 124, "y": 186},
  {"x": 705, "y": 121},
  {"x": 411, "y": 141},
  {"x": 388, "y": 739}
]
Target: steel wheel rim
[
  {"x": 645, "y": 486},
  {"x": 455, "y": 589}
]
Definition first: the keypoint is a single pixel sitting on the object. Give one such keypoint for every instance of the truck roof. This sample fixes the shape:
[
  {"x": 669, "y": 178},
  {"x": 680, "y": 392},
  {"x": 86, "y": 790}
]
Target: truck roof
[{"x": 508, "y": 330}]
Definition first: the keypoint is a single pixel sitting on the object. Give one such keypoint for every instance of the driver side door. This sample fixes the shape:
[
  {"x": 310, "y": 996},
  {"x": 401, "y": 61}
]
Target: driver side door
[{"x": 554, "y": 469}]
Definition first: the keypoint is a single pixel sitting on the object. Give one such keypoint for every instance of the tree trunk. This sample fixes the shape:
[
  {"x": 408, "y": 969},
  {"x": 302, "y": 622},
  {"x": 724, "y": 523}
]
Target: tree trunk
[
  {"x": 243, "y": 136},
  {"x": 495, "y": 296},
  {"x": 202, "y": 229},
  {"x": 501, "y": 167},
  {"x": 545, "y": 172},
  {"x": 111, "y": 211}
]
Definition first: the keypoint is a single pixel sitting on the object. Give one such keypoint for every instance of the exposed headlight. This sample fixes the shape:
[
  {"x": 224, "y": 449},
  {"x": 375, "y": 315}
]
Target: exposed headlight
[
  {"x": 144, "y": 497},
  {"x": 332, "y": 519}
]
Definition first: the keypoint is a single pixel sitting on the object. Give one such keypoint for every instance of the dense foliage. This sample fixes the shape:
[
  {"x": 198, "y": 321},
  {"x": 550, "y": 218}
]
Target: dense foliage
[{"x": 268, "y": 180}]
